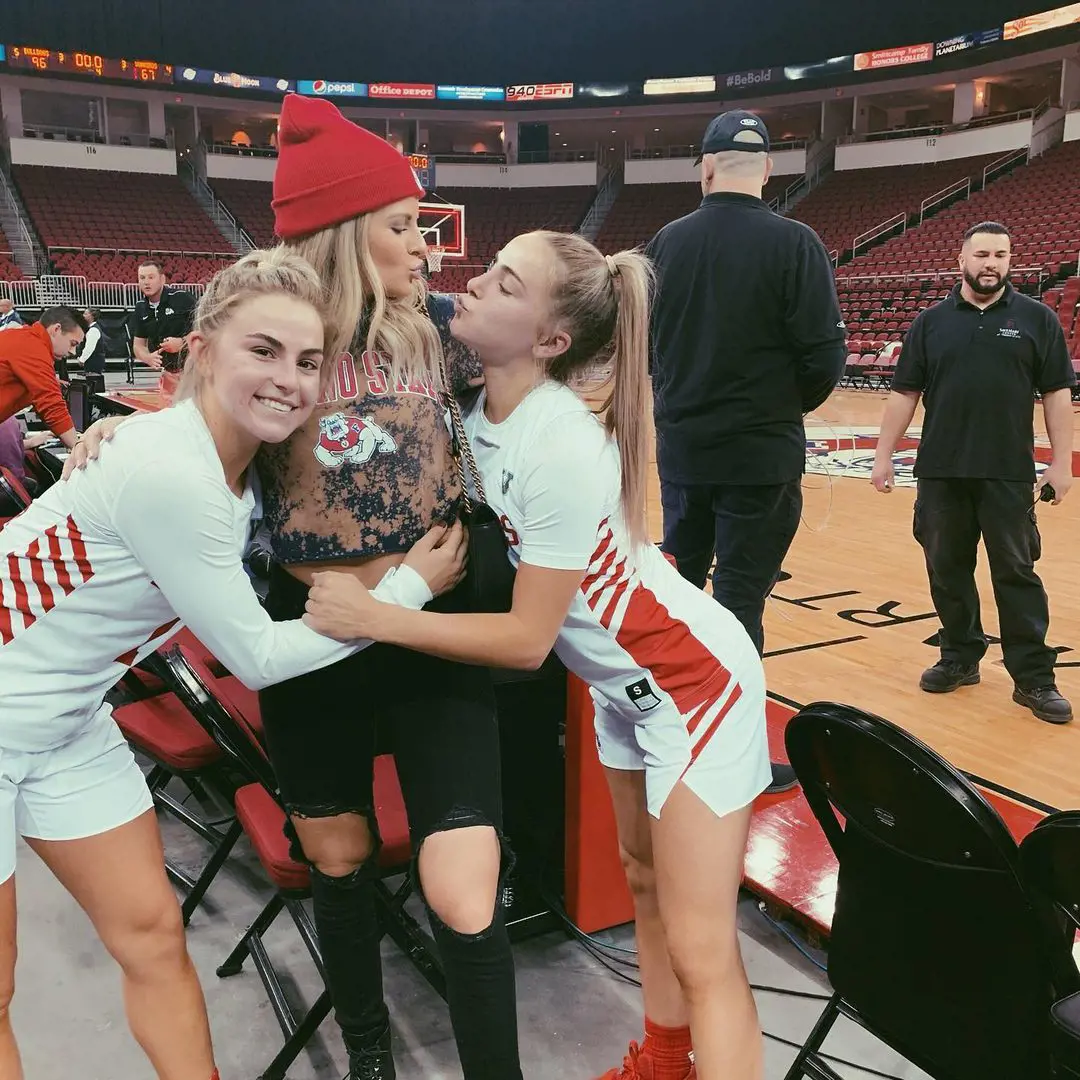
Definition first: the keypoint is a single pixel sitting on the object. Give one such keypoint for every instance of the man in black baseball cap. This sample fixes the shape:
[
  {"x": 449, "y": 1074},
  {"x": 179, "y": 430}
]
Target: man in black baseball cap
[
  {"x": 735, "y": 130},
  {"x": 747, "y": 337}
]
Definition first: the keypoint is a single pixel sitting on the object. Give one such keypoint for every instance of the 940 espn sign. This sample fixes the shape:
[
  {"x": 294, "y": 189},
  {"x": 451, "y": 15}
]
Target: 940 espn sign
[{"x": 540, "y": 92}]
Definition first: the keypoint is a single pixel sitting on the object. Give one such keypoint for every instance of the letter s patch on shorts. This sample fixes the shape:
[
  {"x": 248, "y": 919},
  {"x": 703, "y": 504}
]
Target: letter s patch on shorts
[{"x": 642, "y": 695}]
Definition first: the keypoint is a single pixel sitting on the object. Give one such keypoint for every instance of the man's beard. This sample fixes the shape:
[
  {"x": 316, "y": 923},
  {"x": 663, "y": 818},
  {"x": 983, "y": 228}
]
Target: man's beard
[{"x": 978, "y": 286}]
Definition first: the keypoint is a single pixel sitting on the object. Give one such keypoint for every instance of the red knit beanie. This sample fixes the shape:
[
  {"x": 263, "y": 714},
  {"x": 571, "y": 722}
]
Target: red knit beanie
[{"x": 329, "y": 170}]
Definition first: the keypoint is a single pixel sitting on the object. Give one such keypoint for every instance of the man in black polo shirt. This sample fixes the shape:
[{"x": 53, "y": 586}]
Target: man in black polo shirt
[
  {"x": 161, "y": 321},
  {"x": 977, "y": 359},
  {"x": 747, "y": 337}
]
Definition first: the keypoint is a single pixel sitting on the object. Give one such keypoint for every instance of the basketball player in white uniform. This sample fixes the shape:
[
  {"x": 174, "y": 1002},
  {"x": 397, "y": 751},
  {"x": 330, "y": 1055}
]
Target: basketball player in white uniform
[
  {"x": 103, "y": 569},
  {"x": 677, "y": 683}
]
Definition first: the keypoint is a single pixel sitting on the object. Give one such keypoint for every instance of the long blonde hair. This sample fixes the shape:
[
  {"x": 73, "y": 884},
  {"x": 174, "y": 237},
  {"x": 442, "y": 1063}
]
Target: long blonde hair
[
  {"x": 258, "y": 273},
  {"x": 398, "y": 329},
  {"x": 602, "y": 302}
]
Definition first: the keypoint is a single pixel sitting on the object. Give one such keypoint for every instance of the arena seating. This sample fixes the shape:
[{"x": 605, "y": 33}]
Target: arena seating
[
  {"x": 495, "y": 215},
  {"x": 642, "y": 210},
  {"x": 8, "y": 270},
  {"x": 1065, "y": 301},
  {"x": 249, "y": 202},
  {"x": 1037, "y": 202},
  {"x": 848, "y": 203},
  {"x": 91, "y": 212}
]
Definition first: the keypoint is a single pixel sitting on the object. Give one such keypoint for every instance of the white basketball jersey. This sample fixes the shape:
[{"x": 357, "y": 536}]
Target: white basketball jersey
[{"x": 552, "y": 474}]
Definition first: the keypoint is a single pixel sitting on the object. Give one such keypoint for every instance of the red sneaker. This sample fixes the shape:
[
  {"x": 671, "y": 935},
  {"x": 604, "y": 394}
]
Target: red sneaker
[{"x": 638, "y": 1065}]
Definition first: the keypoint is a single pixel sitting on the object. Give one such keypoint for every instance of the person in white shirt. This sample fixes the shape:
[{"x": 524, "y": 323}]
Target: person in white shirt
[
  {"x": 100, "y": 571},
  {"x": 677, "y": 683},
  {"x": 92, "y": 352},
  {"x": 9, "y": 317}
]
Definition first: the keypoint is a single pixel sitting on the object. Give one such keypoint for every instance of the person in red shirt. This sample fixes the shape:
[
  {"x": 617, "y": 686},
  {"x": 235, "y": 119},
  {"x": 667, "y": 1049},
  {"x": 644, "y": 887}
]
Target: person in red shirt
[{"x": 27, "y": 375}]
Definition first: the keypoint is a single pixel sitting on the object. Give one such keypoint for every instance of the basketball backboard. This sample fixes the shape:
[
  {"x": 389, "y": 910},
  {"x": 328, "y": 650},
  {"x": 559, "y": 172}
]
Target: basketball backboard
[{"x": 443, "y": 227}]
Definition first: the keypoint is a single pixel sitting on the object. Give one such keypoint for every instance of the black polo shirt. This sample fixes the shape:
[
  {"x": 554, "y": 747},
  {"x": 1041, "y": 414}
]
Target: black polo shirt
[
  {"x": 172, "y": 318},
  {"x": 978, "y": 371},
  {"x": 747, "y": 336}
]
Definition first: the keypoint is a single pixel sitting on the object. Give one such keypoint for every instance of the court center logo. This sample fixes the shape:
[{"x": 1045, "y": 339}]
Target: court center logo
[{"x": 852, "y": 455}]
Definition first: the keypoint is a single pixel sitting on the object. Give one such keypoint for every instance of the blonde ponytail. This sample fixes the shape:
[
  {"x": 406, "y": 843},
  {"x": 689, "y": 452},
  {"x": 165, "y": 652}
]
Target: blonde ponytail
[{"x": 628, "y": 409}]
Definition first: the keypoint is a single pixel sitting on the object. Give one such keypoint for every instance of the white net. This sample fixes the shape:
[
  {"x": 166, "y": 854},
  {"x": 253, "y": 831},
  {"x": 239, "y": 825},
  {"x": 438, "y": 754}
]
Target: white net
[{"x": 434, "y": 259}]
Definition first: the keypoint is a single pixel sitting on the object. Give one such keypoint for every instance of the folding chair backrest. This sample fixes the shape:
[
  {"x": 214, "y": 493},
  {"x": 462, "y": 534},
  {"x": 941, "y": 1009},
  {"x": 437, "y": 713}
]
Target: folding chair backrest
[
  {"x": 195, "y": 683},
  {"x": 1050, "y": 860},
  {"x": 934, "y": 940},
  {"x": 12, "y": 492}
]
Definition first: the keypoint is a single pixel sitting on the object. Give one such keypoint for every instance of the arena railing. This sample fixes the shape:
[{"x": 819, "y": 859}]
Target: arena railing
[
  {"x": 864, "y": 240},
  {"x": 961, "y": 189},
  {"x": 912, "y": 276},
  {"x": 691, "y": 150},
  {"x": 56, "y": 132},
  {"x": 79, "y": 293},
  {"x": 1006, "y": 161}
]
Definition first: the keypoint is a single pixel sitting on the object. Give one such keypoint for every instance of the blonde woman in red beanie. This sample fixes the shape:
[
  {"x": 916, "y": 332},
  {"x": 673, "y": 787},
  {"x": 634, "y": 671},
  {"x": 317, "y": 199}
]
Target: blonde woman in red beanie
[{"x": 357, "y": 485}]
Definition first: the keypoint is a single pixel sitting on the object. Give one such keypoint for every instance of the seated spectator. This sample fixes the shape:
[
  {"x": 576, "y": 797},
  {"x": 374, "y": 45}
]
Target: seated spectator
[{"x": 9, "y": 317}]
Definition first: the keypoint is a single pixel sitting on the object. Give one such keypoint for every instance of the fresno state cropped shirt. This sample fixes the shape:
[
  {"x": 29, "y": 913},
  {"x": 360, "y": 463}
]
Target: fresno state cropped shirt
[
  {"x": 552, "y": 474},
  {"x": 371, "y": 471},
  {"x": 107, "y": 566}
]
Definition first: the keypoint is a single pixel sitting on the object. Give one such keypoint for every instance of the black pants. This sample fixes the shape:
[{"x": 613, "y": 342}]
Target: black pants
[
  {"x": 438, "y": 719},
  {"x": 950, "y": 516},
  {"x": 747, "y": 529}
]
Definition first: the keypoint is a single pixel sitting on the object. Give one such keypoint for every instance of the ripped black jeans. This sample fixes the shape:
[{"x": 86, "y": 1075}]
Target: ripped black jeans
[{"x": 323, "y": 731}]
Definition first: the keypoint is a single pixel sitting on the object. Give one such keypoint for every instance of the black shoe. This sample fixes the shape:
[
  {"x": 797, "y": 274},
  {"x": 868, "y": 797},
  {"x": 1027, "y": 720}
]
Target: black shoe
[
  {"x": 373, "y": 1062},
  {"x": 783, "y": 779},
  {"x": 1046, "y": 703},
  {"x": 947, "y": 675}
]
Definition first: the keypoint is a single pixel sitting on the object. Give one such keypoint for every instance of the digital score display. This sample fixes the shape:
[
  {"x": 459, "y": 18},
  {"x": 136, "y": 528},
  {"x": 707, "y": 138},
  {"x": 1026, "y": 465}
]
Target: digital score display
[{"x": 76, "y": 62}]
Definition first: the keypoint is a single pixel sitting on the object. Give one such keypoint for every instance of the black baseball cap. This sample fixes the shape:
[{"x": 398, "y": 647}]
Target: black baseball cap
[{"x": 735, "y": 130}]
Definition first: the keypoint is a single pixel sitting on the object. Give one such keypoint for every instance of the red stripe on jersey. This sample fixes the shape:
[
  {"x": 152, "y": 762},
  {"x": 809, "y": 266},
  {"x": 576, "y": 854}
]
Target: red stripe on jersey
[
  {"x": 37, "y": 572},
  {"x": 56, "y": 557},
  {"x": 128, "y": 658},
  {"x": 592, "y": 578},
  {"x": 666, "y": 648},
  {"x": 20, "y": 601},
  {"x": 6, "y": 632},
  {"x": 78, "y": 546},
  {"x": 736, "y": 693},
  {"x": 616, "y": 596}
]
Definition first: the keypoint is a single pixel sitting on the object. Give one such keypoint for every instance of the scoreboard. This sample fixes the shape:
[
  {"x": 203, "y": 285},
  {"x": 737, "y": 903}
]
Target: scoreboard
[{"x": 93, "y": 65}]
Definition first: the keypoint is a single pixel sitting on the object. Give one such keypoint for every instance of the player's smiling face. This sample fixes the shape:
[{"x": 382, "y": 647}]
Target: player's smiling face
[{"x": 261, "y": 370}]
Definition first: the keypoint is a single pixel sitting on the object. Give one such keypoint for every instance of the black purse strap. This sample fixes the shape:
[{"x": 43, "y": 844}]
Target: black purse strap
[{"x": 459, "y": 445}]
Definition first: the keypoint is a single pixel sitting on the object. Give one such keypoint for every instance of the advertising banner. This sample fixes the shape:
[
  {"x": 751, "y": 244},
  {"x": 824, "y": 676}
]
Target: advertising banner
[
  {"x": 562, "y": 91},
  {"x": 963, "y": 42},
  {"x": 1054, "y": 19},
  {"x": 887, "y": 58},
  {"x": 231, "y": 80},
  {"x": 691, "y": 84},
  {"x": 331, "y": 88},
  {"x": 403, "y": 91},
  {"x": 470, "y": 93}
]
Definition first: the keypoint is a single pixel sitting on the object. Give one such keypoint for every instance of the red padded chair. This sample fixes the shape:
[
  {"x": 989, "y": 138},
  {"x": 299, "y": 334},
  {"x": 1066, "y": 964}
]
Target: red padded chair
[{"x": 229, "y": 712}]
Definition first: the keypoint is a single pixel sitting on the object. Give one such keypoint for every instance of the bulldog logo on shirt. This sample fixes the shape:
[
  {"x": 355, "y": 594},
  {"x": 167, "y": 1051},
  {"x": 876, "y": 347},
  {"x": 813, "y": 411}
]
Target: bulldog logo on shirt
[{"x": 344, "y": 437}]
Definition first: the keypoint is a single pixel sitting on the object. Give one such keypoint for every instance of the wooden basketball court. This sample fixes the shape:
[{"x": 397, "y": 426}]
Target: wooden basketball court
[{"x": 852, "y": 620}]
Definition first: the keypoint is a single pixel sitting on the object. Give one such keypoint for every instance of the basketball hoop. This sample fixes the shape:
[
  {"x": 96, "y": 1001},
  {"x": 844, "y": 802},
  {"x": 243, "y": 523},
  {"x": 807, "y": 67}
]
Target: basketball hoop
[{"x": 434, "y": 259}]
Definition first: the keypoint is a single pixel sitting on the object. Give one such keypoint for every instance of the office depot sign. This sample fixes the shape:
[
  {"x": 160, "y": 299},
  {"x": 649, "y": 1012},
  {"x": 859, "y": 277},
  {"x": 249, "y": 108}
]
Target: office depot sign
[{"x": 412, "y": 91}]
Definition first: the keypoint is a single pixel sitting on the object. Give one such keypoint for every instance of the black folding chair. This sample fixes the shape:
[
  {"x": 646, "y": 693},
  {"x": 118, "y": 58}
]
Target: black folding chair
[
  {"x": 1050, "y": 858},
  {"x": 936, "y": 946}
]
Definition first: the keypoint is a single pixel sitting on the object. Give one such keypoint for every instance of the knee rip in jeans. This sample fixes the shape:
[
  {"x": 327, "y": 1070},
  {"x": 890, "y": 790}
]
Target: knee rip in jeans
[
  {"x": 328, "y": 810},
  {"x": 465, "y": 818}
]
